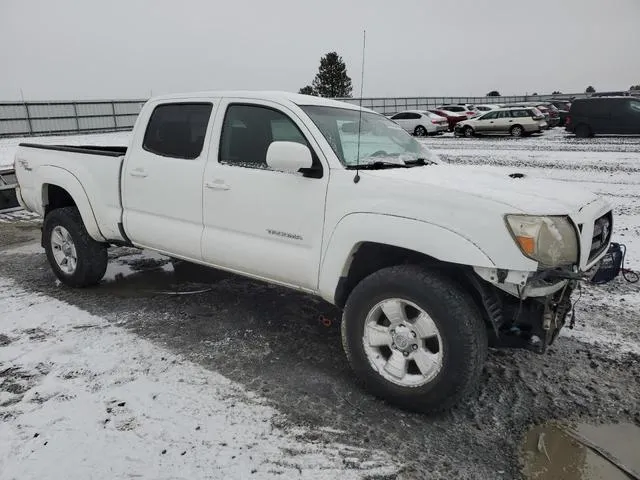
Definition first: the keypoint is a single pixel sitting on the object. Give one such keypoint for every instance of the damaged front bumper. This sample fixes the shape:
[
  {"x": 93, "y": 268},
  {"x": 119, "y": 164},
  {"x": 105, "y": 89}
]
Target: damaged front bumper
[
  {"x": 531, "y": 319},
  {"x": 528, "y": 309}
]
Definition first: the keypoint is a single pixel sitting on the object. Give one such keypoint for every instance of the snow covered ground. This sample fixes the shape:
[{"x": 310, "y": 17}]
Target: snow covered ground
[{"x": 82, "y": 398}]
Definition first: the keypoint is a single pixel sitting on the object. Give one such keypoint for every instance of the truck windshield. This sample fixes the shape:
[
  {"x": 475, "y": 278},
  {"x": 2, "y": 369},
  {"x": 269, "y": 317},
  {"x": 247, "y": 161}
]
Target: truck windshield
[{"x": 381, "y": 140}]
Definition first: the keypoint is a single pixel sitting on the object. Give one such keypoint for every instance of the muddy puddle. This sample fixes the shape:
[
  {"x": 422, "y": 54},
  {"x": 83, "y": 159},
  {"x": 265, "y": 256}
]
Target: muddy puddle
[
  {"x": 557, "y": 451},
  {"x": 148, "y": 274}
]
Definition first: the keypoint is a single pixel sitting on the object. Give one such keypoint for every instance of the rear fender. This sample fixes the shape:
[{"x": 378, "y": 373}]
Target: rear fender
[
  {"x": 426, "y": 238},
  {"x": 69, "y": 182}
]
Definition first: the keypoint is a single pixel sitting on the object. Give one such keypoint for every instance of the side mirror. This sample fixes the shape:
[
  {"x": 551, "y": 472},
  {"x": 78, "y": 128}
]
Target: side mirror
[{"x": 288, "y": 156}]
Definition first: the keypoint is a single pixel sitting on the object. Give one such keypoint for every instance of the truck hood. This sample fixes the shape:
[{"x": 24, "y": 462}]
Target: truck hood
[{"x": 518, "y": 191}]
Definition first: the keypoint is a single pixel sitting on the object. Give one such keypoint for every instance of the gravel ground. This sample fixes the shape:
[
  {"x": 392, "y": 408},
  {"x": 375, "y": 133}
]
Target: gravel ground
[{"x": 271, "y": 341}]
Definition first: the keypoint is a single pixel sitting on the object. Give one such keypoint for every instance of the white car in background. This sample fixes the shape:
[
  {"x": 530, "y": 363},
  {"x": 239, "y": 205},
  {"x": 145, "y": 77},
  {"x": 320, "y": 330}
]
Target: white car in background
[
  {"x": 488, "y": 107},
  {"x": 421, "y": 123}
]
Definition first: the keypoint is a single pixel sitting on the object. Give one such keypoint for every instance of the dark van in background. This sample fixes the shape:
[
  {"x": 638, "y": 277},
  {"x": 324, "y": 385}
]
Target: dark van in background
[{"x": 604, "y": 115}]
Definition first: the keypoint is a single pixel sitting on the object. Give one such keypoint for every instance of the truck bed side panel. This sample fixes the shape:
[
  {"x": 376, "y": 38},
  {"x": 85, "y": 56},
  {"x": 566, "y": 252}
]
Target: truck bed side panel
[{"x": 97, "y": 174}]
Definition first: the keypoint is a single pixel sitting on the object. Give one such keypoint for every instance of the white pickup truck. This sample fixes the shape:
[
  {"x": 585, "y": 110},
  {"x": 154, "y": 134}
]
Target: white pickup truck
[{"x": 431, "y": 263}]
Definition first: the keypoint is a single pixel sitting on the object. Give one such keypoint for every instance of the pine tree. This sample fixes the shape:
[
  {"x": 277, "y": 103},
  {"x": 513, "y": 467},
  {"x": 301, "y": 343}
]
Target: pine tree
[
  {"x": 332, "y": 79},
  {"x": 590, "y": 89},
  {"x": 308, "y": 90}
]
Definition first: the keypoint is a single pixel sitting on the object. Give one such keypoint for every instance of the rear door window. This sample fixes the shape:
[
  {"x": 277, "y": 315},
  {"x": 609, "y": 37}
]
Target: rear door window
[
  {"x": 413, "y": 116},
  {"x": 177, "y": 129}
]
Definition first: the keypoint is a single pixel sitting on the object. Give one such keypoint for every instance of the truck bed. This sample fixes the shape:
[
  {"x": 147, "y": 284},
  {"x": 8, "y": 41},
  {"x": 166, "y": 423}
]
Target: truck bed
[{"x": 88, "y": 172}]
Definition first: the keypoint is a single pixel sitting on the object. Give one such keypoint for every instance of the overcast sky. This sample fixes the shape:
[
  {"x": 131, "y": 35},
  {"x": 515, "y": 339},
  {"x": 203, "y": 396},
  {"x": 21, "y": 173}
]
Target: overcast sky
[{"x": 79, "y": 49}]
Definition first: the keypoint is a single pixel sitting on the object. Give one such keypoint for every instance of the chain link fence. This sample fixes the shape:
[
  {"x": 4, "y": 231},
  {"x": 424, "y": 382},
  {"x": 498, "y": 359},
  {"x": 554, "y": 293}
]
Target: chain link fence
[
  {"x": 46, "y": 118},
  {"x": 50, "y": 118}
]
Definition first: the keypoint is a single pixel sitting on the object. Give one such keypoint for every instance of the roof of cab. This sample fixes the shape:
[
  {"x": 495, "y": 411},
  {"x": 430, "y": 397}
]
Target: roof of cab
[{"x": 273, "y": 96}]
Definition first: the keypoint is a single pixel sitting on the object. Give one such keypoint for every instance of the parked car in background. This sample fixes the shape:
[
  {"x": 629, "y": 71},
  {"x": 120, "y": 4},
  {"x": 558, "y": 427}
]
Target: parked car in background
[
  {"x": 517, "y": 122},
  {"x": 604, "y": 115},
  {"x": 488, "y": 107},
  {"x": 452, "y": 117},
  {"x": 421, "y": 123},
  {"x": 461, "y": 109},
  {"x": 563, "y": 107},
  {"x": 551, "y": 115}
]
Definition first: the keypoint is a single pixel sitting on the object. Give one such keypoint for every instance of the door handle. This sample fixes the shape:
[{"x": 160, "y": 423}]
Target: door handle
[
  {"x": 217, "y": 184},
  {"x": 138, "y": 172}
]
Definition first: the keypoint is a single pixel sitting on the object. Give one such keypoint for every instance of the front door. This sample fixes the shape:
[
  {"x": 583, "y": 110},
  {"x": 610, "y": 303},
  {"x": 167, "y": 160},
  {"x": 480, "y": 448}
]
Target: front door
[
  {"x": 485, "y": 123},
  {"x": 258, "y": 221},
  {"x": 162, "y": 178}
]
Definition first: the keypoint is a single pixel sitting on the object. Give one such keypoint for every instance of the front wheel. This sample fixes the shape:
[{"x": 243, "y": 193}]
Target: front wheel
[
  {"x": 75, "y": 258},
  {"x": 414, "y": 338},
  {"x": 468, "y": 131}
]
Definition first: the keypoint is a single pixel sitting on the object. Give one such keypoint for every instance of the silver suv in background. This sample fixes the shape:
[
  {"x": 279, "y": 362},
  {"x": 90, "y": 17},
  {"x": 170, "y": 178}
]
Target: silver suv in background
[{"x": 516, "y": 122}]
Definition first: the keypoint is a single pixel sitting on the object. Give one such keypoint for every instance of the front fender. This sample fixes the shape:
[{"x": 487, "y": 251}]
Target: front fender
[
  {"x": 66, "y": 180},
  {"x": 411, "y": 234}
]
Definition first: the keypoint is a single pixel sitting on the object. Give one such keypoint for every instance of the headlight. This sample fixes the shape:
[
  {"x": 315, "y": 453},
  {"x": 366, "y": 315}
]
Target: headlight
[{"x": 552, "y": 241}]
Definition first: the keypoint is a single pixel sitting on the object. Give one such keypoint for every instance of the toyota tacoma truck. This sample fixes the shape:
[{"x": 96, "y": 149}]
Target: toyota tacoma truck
[{"x": 430, "y": 263}]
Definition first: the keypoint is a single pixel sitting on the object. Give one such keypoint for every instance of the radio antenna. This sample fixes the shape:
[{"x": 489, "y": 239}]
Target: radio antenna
[{"x": 356, "y": 179}]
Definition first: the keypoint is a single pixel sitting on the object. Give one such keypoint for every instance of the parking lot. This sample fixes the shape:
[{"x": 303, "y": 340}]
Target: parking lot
[{"x": 264, "y": 348}]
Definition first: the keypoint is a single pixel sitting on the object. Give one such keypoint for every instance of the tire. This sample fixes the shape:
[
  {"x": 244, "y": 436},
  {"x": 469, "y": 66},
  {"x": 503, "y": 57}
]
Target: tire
[
  {"x": 583, "y": 131},
  {"x": 420, "y": 131},
  {"x": 516, "y": 131},
  {"x": 462, "y": 338},
  {"x": 468, "y": 131},
  {"x": 90, "y": 256}
]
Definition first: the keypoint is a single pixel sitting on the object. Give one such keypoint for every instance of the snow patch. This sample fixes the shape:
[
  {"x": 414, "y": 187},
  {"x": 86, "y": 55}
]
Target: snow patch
[{"x": 81, "y": 398}]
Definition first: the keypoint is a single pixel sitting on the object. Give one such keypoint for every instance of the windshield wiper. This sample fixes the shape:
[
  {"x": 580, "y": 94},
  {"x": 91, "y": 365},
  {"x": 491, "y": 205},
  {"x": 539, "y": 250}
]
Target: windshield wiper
[
  {"x": 418, "y": 162},
  {"x": 378, "y": 165},
  {"x": 381, "y": 164}
]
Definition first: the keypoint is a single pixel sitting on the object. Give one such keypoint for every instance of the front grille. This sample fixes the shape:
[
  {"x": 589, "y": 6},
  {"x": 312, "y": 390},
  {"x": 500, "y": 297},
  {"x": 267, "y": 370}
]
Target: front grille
[{"x": 601, "y": 235}]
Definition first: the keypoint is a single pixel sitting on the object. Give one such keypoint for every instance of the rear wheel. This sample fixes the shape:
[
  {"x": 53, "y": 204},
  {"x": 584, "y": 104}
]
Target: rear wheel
[
  {"x": 75, "y": 258},
  {"x": 583, "y": 131},
  {"x": 468, "y": 131},
  {"x": 516, "y": 131},
  {"x": 420, "y": 131},
  {"x": 414, "y": 338}
]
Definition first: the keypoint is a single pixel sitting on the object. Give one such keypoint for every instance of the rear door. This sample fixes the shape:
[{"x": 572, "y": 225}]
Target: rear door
[
  {"x": 503, "y": 122},
  {"x": 162, "y": 177}
]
